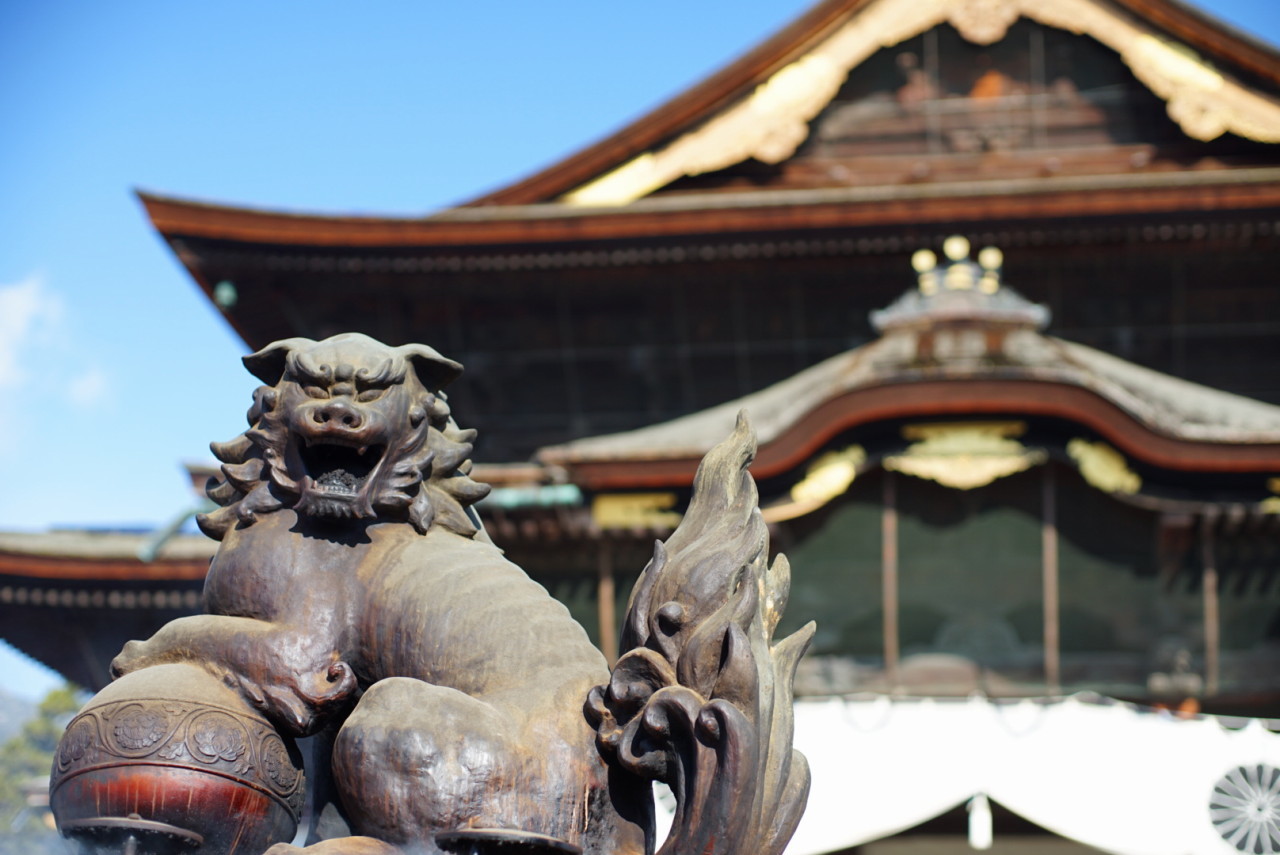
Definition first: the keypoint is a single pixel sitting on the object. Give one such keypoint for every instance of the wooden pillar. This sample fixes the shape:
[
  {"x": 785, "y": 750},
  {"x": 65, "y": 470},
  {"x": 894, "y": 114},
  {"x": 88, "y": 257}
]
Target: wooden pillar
[
  {"x": 1049, "y": 574},
  {"x": 606, "y": 597},
  {"x": 1212, "y": 624},
  {"x": 889, "y": 577}
]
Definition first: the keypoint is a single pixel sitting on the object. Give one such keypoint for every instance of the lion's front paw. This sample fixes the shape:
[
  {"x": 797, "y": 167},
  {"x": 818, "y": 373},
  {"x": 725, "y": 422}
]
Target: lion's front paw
[
  {"x": 301, "y": 704},
  {"x": 134, "y": 656}
]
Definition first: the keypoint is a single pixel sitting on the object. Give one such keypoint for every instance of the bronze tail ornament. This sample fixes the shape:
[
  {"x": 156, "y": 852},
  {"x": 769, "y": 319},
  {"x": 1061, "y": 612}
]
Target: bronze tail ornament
[{"x": 702, "y": 698}]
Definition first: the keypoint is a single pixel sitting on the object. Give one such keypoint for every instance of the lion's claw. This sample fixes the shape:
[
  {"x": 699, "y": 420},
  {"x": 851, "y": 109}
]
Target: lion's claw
[
  {"x": 131, "y": 658},
  {"x": 296, "y": 709}
]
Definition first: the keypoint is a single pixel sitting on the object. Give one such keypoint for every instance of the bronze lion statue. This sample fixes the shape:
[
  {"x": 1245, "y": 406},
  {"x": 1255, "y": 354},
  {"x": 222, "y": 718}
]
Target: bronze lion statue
[
  {"x": 351, "y": 565},
  {"x": 356, "y": 598}
]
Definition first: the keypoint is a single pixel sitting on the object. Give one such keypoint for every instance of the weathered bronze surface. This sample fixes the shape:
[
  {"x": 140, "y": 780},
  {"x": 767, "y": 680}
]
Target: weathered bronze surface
[{"x": 356, "y": 598}]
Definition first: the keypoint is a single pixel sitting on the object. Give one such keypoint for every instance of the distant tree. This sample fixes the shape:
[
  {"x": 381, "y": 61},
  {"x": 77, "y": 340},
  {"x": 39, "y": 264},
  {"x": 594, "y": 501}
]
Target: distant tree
[{"x": 25, "y": 761}]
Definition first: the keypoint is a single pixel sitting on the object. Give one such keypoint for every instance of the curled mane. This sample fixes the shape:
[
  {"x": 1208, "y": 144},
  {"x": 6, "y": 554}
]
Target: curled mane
[{"x": 428, "y": 483}]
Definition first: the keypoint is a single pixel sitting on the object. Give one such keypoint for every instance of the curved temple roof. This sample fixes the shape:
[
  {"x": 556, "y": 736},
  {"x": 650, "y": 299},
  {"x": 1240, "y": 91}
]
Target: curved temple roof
[
  {"x": 1165, "y": 405},
  {"x": 961, "y": 345}
]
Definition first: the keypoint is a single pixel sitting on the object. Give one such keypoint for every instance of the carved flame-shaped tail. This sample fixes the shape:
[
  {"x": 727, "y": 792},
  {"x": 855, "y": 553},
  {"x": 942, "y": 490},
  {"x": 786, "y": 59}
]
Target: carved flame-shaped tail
[{"x": 701, "y": 699}]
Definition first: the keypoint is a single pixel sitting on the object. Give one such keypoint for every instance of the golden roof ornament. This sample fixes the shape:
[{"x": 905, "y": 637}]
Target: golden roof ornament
[
  {"x": 965, "y": 455},
  {"x": 925, "y": 264},
  {"x": 958, "y": 288},
  {"x": 990, "y": 259},
  {"x": 956, "y": 247}
]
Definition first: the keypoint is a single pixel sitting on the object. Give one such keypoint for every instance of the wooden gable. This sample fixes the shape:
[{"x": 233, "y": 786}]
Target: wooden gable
[{"x": 888, "y": 91}]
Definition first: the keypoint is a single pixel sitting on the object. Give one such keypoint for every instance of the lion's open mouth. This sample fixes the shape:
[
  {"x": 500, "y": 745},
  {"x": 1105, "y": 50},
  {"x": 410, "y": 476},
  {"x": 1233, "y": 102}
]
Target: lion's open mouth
[{"x": 340, "y": 469}]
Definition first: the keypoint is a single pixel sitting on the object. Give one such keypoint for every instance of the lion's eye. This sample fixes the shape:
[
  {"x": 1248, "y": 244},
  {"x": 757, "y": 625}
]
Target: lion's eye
[
  {"x": 369, "y": 395},
  {"x": 315, "y": 391}
]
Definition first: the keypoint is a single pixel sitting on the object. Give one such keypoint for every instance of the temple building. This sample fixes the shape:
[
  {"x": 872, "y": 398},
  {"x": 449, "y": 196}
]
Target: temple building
[
  {"x": 995, "y": 283},
  {"x": 1121, "y": 154},
  {"x": 1045, "y": 516}
]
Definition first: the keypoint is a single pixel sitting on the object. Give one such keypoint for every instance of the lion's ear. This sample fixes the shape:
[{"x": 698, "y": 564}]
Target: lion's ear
[
  {"x": 435, "y": 371},
  {"x": 268, "y": 364}
]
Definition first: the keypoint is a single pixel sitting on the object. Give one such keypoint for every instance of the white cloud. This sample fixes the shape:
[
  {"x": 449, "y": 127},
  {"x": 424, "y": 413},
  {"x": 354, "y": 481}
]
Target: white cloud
[
  {"x": 88, "y": 388},
  {"x": 29, "y": 314},
  {"x": 34, "y": 339}
]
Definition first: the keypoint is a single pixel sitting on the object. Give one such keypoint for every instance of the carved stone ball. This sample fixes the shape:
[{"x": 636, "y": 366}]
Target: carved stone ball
[{"x": 174, "y": 758}]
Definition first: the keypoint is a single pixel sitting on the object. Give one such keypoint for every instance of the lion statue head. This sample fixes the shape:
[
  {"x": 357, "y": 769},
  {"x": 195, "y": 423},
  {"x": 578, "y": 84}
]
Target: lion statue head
[{"x": 348, "y": 429}]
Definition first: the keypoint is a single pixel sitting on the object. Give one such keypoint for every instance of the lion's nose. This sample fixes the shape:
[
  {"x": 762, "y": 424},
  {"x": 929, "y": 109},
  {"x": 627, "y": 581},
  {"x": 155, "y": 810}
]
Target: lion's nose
[{"x": 337, "y": 413}]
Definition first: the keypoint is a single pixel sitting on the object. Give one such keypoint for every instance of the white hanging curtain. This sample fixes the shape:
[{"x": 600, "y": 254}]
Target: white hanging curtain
[{"x": 1112, "y": 776}]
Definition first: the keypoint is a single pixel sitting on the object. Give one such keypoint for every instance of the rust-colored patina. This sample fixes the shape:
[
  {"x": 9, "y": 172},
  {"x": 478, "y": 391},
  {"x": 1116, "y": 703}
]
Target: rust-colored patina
[{"x": 356, "y": 597}]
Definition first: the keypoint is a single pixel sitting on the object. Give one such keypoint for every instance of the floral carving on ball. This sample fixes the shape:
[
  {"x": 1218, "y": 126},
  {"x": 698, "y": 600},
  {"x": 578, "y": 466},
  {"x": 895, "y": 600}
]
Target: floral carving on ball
[
  {"x": 138, "y": 728},
  {"x": 278, "y": 766},
  {"x": 79, "y": 738},
  {"x": 217, "y": 736}
]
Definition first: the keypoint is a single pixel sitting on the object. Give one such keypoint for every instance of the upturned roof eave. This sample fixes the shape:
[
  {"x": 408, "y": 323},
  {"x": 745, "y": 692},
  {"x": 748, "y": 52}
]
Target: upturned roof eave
[{"x": 759, "y": 211}]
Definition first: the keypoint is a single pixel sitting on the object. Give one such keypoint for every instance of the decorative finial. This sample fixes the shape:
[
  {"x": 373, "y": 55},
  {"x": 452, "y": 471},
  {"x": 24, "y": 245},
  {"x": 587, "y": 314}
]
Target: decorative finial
[
  {"x": 990, "y": 259},
  {"x": 956, "y": 247},
  {"x": 925, "y": 262},
  {"x": 960, "y": 274},
  {"x": 959, "y": 277},
  {"x": 956, "y": 286}
]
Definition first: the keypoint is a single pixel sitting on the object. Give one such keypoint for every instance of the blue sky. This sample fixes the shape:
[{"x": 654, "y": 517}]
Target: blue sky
[{"x": 113, "y": 368}]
